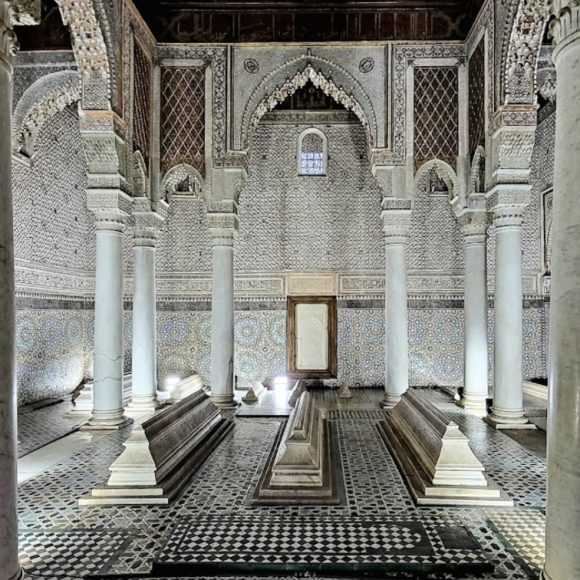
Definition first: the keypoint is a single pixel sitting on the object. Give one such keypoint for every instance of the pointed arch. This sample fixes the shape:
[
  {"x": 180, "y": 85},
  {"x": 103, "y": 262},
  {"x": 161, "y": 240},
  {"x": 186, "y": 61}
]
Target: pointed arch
[
  {"x": 325, "y": 75},
  {"x": 179, "y": 175},
  {"x": 89, "y": 47},
  {"x": 520, "y": 55},
  {"x": 477, "y": 176},
  {"x": 444, "y": 171},
  {"x": 140, "y": 181}
]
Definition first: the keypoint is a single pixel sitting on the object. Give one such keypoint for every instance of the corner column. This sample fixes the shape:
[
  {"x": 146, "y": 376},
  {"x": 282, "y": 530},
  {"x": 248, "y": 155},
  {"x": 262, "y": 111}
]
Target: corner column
[
  {"x": 563, "y": 507},
  {"x": 148, "y": 222},
  {"x": 396, "y": 218},
  {"x": 111, "y": 208},
  {"x": 474, "y": 229},
  {"x": 223, "y": 226},
  {"x": 9, "y": 564}
]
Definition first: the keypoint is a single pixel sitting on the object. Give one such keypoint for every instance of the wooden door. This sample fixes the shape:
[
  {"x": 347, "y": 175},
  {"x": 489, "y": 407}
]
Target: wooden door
[{"x": 311, "y": 331}]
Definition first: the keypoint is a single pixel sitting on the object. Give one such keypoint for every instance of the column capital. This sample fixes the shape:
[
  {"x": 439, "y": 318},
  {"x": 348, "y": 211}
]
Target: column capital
[
  {"x": 111, "y": 208},
  {"x": 396, "y": 219},
  {"x": 508, "y": 216},
  {"x": 565, "y": 26},
  {"x": 473, "y": 225},
  {"x": 149, "y": 217},
  {"x": 514, "y": 130},
  {"x": 223, "y": 222}
]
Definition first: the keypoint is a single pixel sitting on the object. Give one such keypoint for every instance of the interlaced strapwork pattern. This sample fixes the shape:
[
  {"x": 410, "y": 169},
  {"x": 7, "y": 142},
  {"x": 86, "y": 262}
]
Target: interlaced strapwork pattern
[
  {"x": 183, "y": 118},
  {"x": 436, "y": 114},
  {"x": 476, "y": 98},
  {"x": 142, "y": 102}
]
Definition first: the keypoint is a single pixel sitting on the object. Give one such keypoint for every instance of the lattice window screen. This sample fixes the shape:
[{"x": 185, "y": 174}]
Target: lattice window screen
[
  {"x": 183, "y": 118},
  {"x": 141, "y": 102},
  {"x": 436, "y": 114},
  {"x": 477, "y": 98},
  {"x": 312, "y": 155}
]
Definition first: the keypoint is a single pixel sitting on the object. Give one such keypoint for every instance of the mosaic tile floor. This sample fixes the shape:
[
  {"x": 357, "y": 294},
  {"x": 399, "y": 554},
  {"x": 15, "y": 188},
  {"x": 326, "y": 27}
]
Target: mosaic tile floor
[
  {"x": 37, "y": 428},
  {"x": 127, "y": 540}
]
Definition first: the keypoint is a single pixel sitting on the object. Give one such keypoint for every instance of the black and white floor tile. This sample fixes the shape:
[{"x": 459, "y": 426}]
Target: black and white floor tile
[
  {"x": 39, "y": 427},
  {"x": 127, "y": 540}
]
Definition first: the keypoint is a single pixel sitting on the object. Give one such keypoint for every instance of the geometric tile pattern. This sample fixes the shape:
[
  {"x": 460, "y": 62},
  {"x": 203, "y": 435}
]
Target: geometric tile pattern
[
  {"x": 476, "y": 87},
  {"x": 43, "y": 426},
  {"x": 436, "y": 114},
  {"x": 374, "y": 488},
  {"x": 515, "y": 469},
  {"x": 525, "y": 530},
  {"x": 77, "y": 553},
  {"x": 53, "y": 352},
  {"x": 183, "y": 117},
  {"x": 141, "y": 101},
  {"x": 284, "y": 541}
]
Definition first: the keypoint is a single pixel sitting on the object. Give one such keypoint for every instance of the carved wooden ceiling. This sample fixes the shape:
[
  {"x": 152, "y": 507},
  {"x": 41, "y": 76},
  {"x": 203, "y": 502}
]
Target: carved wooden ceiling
[{"x": 308, "y": 21}]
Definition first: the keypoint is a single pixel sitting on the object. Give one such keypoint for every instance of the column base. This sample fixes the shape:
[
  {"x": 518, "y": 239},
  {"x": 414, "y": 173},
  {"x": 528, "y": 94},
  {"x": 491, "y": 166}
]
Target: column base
[
  {"x": 544, "y": 575},
  {"x": 106, "y": 421},
  {"x": 390, "y": 401},
  {"x": 142, "y": 407},
  {"x": 505, "y": 419},
  {"x": 473, "y": 404},
  {"x": 224, "y": 401}
]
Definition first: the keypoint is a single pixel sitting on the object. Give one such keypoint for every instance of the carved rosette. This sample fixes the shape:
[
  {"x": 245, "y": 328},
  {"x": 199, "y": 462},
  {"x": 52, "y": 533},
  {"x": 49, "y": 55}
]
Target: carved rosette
[
  {"x": 110, "y": 206},
  {"x": 565, "y": 26},
  {"x": 223, "y": 222},
  {"x": 396, "y": 219},
  {"x": 9, "y": 43}
]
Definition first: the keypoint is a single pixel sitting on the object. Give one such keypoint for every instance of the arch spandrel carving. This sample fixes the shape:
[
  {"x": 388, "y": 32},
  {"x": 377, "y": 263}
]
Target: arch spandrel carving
[
  {"x": 43, "y": 99},
  {"x": 332, "y": 79}
]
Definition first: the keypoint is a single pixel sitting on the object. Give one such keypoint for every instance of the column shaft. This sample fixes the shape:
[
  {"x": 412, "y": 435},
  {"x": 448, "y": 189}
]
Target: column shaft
[
  {"x": 108, "y": 389},
  {"x": 9, "y": 565},
  {"x": 222, "y": 327},
  {"x": 144, "y": 359},
  {"x": 475, "y": 339},
  {"x": 396, "y": 322},
  {"x": 508, "y": 399},
  {"x": 563, "y": 506},
  {"x": 396, "y": 218}
]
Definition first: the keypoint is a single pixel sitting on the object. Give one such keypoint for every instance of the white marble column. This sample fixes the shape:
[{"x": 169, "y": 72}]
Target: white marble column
[
  {"x": 508, "y": 397},
  {"x": 563, "y": 507},
  {"x": 111, "y": 208},
  {"x": 9, "y": 565},
  {"x": 474, "y": 228},
  {"x": 144, "y": 356},
  {"x": 396, "y": 219},
  {"x": 223, "y": 227}
]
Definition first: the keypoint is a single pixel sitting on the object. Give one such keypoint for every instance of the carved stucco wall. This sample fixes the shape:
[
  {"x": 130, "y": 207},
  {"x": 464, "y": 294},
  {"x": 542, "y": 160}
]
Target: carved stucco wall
[
  {"x": 52, "y": 225},
  {"x": 282, "y": 218},
  {"x": 305, "y": 223}
]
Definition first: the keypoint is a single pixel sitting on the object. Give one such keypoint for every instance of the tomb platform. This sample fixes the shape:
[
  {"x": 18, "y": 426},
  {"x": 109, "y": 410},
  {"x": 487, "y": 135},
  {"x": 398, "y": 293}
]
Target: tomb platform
[
  {"x": 304, "y": 464},
  {"x": 435, "y": 458},
  {"x": 163, "y": 453}
]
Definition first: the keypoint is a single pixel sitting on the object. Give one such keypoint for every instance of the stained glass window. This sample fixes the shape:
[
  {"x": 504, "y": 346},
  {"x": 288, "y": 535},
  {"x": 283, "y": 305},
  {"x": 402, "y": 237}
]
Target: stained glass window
[{"x": 312, "y": 154}]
